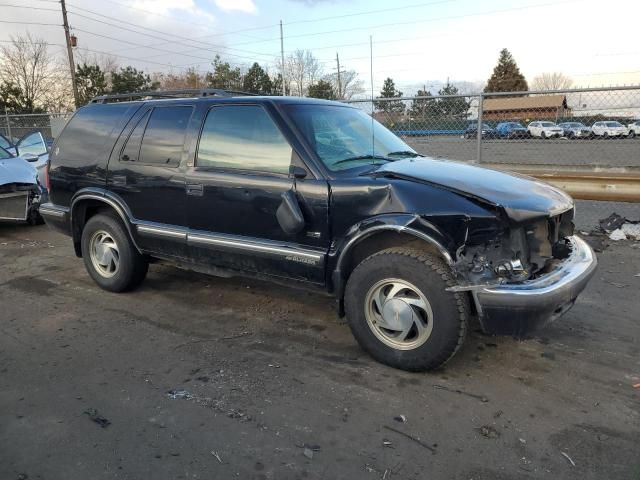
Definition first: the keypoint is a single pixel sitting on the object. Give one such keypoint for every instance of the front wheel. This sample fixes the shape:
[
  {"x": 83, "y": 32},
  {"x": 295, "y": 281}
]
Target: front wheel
[
  {"x": 632, "y": 134},
  {"x": 400, "y": 312},
  {"x": 109, "y": 255}
]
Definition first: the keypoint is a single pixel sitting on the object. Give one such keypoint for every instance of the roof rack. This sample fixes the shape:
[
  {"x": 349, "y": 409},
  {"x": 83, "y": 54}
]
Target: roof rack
[{"x": 195, "y": 92}]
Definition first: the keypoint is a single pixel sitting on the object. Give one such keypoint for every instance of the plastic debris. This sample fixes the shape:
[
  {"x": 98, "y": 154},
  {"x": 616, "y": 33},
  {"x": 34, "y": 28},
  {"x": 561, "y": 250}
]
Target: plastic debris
[
  {"x": 308, "y": 453},
  {"x": 568, "y": 458},
  {"x": 631, "y": 230},
  {"x": 617, "y": 235},
  {"x": 215, "y": 454},
  {"x": 95, "y": 417},
  {"x": 488, "y": 431},
  {"x": 400, "y": 418},
  {"x": 183, "y": 394},
  {"x": 612, "y": 222}
]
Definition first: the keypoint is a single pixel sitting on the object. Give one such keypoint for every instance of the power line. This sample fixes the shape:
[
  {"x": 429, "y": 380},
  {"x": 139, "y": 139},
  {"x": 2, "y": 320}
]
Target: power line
[
  {"x": 154, "y": 30},
  {"x": 8, "y": 5},
  {"x": 32, "y": 23}
]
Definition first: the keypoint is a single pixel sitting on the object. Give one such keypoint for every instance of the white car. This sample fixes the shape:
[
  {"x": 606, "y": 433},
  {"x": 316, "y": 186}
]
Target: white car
[
  {"x": 545, "y": 130},
  {"x": 634, "y": 128},
  {"x": 609, "y": 129}
]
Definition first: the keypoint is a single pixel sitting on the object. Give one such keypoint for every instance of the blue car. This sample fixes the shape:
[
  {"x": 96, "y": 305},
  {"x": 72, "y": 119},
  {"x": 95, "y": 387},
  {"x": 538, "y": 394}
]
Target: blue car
[{"x": 511, "y": 130}]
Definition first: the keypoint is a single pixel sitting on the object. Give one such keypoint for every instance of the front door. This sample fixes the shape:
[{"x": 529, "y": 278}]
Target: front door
[
  {"x": 145, "y": 172},
  {"x": 235, "y": 189}
]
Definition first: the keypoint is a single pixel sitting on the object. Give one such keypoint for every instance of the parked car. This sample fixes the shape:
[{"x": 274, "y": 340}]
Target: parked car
[
  {"x": 472, "y": 131},
  {"x": 634, "y": 129},
  {"x": 575, "y": 130},
  {"x": 545, "y": 130},
  {"x": 511, "y": 130},
  {"x": 20, "y": 190},
  {"x": 609, "y": 129},
  {"x": 315, "y": 194}
]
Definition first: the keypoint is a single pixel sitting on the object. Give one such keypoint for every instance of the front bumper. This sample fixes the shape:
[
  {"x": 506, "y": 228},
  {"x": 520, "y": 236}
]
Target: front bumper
[{"x": 519, "y": 308}]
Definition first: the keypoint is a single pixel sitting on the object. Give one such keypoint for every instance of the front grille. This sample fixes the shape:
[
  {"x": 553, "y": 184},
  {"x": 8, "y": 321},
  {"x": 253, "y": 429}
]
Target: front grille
[{"x": 14, "y": 206}]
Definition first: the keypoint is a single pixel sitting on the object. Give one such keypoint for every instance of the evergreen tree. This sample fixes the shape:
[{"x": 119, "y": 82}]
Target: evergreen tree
[
  {"x": 224, "y": 75},
  {"x": 257, "y": 81},
  {"x": 322, "y": 89},
  {"x": 129, "y": 80},
  {"x": 91, "y": 82},
  {"x": 389, "y": 91},
  {"x": 506, "y": 76},
  {"x": 452, "y": 107},
  {"x": 11, "y": 98},
  {"x": 422, "y": 107}
]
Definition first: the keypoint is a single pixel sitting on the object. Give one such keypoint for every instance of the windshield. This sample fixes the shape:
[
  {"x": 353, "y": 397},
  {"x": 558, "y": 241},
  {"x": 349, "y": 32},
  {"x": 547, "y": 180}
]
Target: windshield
[
  {"x": 4, "y": 154},
  {"x": 515, "y": 125},
  {"x": 548, "y": 124},
  {"x": 342, "y": 136},
  {"x": 614, "y": 124}
]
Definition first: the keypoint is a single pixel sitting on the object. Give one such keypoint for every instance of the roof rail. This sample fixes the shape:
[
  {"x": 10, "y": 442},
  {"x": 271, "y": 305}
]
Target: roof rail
[{"x": 195, "y": 92}]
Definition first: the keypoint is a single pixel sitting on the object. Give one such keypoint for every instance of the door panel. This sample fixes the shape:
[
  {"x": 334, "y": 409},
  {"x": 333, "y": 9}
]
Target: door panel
[
  {"x": 144, "y": 172},
  {"x": 240, "y": 167}
]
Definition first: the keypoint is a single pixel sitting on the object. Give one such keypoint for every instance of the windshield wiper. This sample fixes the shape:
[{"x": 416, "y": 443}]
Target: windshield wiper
[
  {"x": 405, "y": 152},
  {"x": 362, "y": 157}
]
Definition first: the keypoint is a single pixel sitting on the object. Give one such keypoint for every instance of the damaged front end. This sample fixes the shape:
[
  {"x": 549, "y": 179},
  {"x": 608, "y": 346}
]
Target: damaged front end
[
  {"x": 525, "y": 274},
  {"x": 20, "y": 192}
]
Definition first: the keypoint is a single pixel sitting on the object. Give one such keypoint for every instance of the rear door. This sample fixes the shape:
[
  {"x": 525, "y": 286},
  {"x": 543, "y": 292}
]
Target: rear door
[
  {"x": 146, "y": 170},
  {"x": 241, "y": 176}
]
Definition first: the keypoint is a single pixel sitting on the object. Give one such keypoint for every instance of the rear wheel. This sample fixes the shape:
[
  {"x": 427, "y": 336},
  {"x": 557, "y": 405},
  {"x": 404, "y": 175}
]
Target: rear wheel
[
  {"x": 109, "y": 255},
  {"x": 632, "y": 134},
  {"x": 543, "y": 135},
  {"x": 400, "y": 312}
]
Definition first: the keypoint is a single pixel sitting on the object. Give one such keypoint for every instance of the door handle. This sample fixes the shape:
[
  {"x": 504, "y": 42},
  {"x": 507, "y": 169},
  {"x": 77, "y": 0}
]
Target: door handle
[{"x": 195, "y": 189}]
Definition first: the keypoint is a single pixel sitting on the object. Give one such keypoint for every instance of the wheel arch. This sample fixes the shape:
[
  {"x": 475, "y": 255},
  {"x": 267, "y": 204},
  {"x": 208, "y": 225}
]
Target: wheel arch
[
  {"x": 377, "y": 238},
  {"x": 86, "y": 204}
]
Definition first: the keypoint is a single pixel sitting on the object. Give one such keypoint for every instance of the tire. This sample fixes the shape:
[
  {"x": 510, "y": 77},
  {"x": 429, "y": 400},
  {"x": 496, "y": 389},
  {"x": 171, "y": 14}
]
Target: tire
[
  {"x": 116, "y": 271},
  {"x": 572, "y": 136},
  {"x": 543, "y": 135},
  {"x": 425, "y": 276},
  {"x": 632, "y": 134},
  {"x": 605, "y": 136}
]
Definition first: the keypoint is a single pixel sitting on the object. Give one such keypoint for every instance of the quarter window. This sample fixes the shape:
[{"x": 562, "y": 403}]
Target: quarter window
[{"x": 243, "y": 137}]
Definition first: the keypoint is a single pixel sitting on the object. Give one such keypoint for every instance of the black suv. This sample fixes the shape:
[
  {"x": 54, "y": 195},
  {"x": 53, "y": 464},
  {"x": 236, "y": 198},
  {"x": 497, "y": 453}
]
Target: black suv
[{"x": 316, "y": 194}]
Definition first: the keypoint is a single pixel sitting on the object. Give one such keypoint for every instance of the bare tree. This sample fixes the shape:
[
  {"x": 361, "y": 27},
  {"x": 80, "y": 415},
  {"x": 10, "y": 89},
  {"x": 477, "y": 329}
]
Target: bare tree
[
  {"x": 349, "y": 85},
  {"x": 27, "y": 63},
  {"x": 302, "y": 70},
  {"x": 551, "y": 81}
]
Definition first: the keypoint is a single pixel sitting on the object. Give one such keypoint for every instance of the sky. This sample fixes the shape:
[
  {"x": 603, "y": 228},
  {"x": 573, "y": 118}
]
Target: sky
[{"x": 416, "y": 43}]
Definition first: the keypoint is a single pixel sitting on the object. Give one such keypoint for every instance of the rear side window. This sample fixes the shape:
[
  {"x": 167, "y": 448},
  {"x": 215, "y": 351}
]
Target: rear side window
[
  {"x": 243, "y": 137},
  {"x": 158, "y": 138}
]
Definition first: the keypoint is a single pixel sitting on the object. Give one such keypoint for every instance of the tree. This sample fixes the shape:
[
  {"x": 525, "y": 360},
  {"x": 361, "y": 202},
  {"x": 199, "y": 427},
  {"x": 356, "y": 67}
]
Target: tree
[
  {"x": 506, "y": 75},
  {"x": 322, "y": 89},
  {"x": 421, "y": 107},
  {"x": 551, "y": 81},
  {"x": 302, "y": 69},
  {"x": 11, "y": 100},
  {"x": 452, "y": 107},
  {"x": 129, "y": 80},
  {"x": 348, "y": 86},
  {"x": 224, "y": 75},
  {"x": 28, "y": 68},
  {"x": 389, "y": 91},
  {"x": 257, "y": 80},
  {"x": 91, "y": 82}
]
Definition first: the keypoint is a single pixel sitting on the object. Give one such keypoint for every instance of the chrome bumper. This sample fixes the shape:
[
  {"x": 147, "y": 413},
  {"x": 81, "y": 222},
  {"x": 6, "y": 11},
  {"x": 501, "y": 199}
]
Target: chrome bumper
[{"x": 518, "y": 308}]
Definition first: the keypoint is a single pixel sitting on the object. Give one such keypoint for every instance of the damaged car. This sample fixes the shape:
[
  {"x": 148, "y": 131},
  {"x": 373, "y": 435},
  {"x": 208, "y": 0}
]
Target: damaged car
[
  {"x": 315, "y": 194},
  {"x": 20, "y": 190}
]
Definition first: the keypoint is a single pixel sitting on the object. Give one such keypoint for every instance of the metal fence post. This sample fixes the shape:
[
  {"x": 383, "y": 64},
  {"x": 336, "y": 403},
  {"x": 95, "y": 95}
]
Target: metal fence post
[
  {"x": 6, "y": 116},
  {"x": 479, "y": 129}
]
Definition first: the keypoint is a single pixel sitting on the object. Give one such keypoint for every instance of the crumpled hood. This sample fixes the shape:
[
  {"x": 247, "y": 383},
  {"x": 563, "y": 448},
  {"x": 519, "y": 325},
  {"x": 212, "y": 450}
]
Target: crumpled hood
[
  {"x": 17, "y": 170},
  {"x": 521, "y": 197}
]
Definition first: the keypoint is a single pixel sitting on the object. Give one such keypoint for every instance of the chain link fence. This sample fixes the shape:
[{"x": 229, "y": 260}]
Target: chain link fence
[
  {"x": 14, "y": 127},
  {"x": 578, "y": 127}
]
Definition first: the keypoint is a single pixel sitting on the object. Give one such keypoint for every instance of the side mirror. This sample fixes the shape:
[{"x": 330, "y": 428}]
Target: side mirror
[
  {"x": 289, "y": 214},
  {"x": 297, "y": 172}
]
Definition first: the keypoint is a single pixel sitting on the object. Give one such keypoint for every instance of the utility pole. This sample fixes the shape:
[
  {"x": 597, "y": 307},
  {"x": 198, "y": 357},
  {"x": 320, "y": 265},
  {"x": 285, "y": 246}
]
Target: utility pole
[
  {"x": 72, "y": 64},
  {"x": 284, "y": 92},
  {"x": 339, "y": 82}
]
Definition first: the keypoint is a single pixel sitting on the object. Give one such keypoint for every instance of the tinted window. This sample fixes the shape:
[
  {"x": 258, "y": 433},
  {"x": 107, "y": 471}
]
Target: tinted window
[
  {"x": 131, "y": 150},
  {"x": 163, "y": 139},
  {"x": 243, "y": 137}
]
